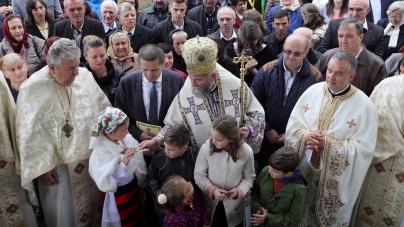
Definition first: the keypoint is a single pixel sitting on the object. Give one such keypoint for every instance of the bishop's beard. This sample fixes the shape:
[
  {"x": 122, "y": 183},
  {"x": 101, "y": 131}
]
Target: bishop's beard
[{"x": 204, "y": 93}]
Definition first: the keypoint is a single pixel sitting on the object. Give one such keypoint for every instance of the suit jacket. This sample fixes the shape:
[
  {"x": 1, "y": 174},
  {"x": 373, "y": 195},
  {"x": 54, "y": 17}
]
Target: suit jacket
[
  {"x": 388, "y": 51},
  {"x": 90, "y": 27},
  {"x": 383, "y": 12},
  {"x": 371, "y": 69},
  {"x": 19, "y": 8},
  {"x": 198, "y": 14},
  {"x": 143, "y": 35},
  {"x": 129, "y": 97},
  {"x": 33, "y": 30},
  {"x": 372, "y": 39}
]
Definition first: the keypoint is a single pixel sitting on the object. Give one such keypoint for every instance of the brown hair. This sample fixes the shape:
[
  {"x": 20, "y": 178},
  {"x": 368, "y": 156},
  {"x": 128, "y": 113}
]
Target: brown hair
[
  {"x": 31, "y": 4},
  {"x": 92, "y": 41},
  {"x": 177, "y": 136},
  {"x": 255, "y": 16},
  {"x": 177, "y": 1},
  {"x": 329, "y": 7},
  {"x": 314, "y": 18},
  {"x": 175, "y": 197},
  {"x": 221, "y": 53},
  {"x": 285, "y": 159},
  {"x": 248, "y": 32},
  {"x": 229, "y": 128}
]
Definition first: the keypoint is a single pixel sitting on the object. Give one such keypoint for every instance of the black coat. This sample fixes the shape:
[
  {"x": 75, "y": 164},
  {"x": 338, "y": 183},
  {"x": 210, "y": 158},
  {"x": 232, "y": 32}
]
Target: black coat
[
  {"x": 110, "y": 82},
  {"x": 33, "y": 30},
  {"x": 372, "y": 39},
  {"x": 198, "y": 14},
  {"x": 277, "y": 47},
  {"x": 383, "y": 11},
  {"x": 90, "y": 27},
  {"x": 388, "y": 51},
  {"x": 230, "y": 66},
  {"x": 129, "y": 97},
  {"x": 163, "y": 29}
]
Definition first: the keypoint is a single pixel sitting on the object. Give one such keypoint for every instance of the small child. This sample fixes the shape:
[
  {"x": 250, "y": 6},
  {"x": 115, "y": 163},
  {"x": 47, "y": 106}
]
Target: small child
[
  {"x": 117, "y": 169},
  {"x": 224, "y": 171},
  {"x": 182, "y": 205},
  {"x": 279, "y": 192}
]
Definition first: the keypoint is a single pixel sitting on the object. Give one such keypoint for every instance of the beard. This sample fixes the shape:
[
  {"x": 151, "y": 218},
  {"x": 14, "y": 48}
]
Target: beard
[{"x": 204, "y": 93}]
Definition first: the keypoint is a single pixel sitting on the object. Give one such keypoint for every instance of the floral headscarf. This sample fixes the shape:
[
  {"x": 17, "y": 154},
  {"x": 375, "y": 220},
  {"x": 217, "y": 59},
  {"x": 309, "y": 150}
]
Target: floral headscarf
[{"x": 111, "y": 52}]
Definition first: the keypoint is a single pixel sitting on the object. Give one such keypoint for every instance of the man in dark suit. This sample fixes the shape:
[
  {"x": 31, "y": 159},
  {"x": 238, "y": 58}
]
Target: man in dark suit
[
  {"x": 373, "y": 34},
  {"x": 108, "y": 12},
  {"x": 280, "y": 23},
  {"x": 226, "y": 18},
  {"x": 378, "y": 11},
  {"x": 78, "y": 26},
  {"x": 206, "y": 16},
  {"x": 139, "y": 35}
]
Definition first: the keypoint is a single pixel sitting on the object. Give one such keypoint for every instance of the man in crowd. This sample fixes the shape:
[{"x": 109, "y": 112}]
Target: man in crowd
[
  {"x": 373, "y": 34},
  {"x": 108, "y": 13},
  {"x": 209, "y": 92},
  {"x": 226, "y": 18},
  {"x": 139, "y": 35},
  {"x": 378, "y": 9},
  {"x": 78, "y": 26},
  {"x": 177, "y": 20},
  {"x": 296, "y": 73},
  {"x": 336, "y": 144},
  {"x": 154, "y": 14},
  {"x": 380, "y": 203},
  {"x": 370, "y": 70},
  {"x": 312, "y": 56},
  {"x": 206, "y": 16},
  {"x": 280, "y": 23},
  {"x": 54, "y": 130}
]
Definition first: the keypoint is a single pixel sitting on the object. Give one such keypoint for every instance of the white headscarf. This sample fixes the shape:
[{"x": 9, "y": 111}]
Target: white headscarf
[{"x": 295, "y": 4}]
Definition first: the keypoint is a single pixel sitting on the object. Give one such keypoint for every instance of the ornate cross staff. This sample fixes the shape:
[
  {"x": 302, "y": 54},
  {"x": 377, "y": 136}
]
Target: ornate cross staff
[{"x": 243, "y": 60}]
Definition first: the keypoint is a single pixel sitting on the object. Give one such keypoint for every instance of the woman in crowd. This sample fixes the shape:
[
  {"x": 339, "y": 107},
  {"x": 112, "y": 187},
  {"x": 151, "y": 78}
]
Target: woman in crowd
[
  {"x": 169, "y": 59},
  {"x": 39, "y": 21},
  {"x": 17, "y": 40},
  {"x": 15, "y": 71},
  {"x": 295, "y": 16},
  {"x": 335, "y": 9},
  {"x": 314, "y": 21},
  {"x": 393, "y": 38},
  {"x": 222, "y": 59},
  {"x": 251, "y": 42},
  {"x": 106, "y": 76},
  {"x": 240, "y": 6},
  {"x": 176, "y": 39},
  {"x": 121, "y": 53},
  {"x": 255, "y": 16},
  {"x": 393, "y": 63}
]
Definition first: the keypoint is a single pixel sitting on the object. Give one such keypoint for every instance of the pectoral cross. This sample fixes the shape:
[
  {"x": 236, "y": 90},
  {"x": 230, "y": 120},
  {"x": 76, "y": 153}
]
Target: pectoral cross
[
  {"x": 306, "y": 108},
  {"x": 67, "y": 129},
  {"x": 243, "y": 60},
  {"x": 351, "y": 123}
]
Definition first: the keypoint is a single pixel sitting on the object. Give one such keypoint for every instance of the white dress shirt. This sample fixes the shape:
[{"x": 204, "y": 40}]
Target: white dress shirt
[
  {"x": 376, "y": 10},
  {"x": 289, "y": 78},
  {"x": 146, "y": 87},
  {"x": 107, "y": 27}
]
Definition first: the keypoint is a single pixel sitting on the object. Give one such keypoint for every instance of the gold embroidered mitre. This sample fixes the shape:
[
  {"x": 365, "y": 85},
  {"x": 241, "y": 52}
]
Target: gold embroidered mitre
[{"x": 200, "y": 55}]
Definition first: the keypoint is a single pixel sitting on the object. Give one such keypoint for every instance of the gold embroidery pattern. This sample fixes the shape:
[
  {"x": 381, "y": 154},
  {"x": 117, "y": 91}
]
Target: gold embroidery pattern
[
  {"x": 379, "y": 168},
  {"x": 369, "y": 211},
  {"x": 351, "y": 123},
  {"x": 184, "y": 118},
  {"x": 332, "y": 184},
  {"x": 400, "y": 177},
  {"x": 338, "y": 164},
  {"x": 306, "y": 108},
  {"x": 332, "y": 204},
  {"x": 388, "y": 221}
]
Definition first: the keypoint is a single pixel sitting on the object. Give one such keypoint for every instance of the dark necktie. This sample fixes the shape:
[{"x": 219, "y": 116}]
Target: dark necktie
[
  {"x": 153, "y": 117},
  {"x": 130, "y": 36}
]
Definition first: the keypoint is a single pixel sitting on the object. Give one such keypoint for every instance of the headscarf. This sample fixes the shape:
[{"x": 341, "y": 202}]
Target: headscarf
[
  {"x": 295, "y": 4},
  {"x": 108, "y": 120},
  {"x": 111, "y": 53},
  {"x": 10, "y": 38}
]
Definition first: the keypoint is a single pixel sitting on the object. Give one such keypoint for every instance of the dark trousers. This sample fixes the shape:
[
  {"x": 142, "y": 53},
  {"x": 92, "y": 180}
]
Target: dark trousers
[{"x": 262, "y": 157}]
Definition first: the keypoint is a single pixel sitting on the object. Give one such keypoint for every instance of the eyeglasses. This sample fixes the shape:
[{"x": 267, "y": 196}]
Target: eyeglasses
[
  {"x": 296, "y": 54},
  {"x": 395, "y": 18}
]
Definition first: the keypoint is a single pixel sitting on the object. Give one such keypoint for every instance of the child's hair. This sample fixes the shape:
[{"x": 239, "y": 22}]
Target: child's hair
[
  {"x": 285, "y": 159},
  {"x": 169, "y": 196},
  {"x": 229, "y": 128},
  {"x": 177, "y": 136}
]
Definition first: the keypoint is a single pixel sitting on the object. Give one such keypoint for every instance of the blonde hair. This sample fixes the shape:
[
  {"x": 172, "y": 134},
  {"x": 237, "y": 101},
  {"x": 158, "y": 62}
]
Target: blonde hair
[{"x": 92, "y": 41}]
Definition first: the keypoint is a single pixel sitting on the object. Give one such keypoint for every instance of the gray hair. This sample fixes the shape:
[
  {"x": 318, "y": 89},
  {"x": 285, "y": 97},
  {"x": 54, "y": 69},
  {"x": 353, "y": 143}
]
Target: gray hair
[
  {"x": 175, "y": 34},
  {"x": 63, "y": 49},
  {"x": 345, "y": 56},
  {"x": 399, "y": 5},
  {"x": 10, "y": 59},
  {"x": 151, "y": 52},
  {"x": 106, "y": 2},
  {"x": 233, "y": 13},
  {"x": 355, "y": 21},
  {"x": 125, "y": 6},
  {"x": 64, "y": 2},
  {"x": 116, "y": 35}
]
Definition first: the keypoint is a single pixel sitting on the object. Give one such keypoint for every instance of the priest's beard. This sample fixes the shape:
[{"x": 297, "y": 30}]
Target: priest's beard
[{"x": 204, "y": 93}]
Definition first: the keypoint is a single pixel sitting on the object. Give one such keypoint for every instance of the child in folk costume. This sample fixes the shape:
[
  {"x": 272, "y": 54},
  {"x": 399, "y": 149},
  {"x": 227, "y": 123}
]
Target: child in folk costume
[
  {"x": 182, "y": 205},
  {"x": 117, "y": 169},
  {"x": 224, "y": 171}
]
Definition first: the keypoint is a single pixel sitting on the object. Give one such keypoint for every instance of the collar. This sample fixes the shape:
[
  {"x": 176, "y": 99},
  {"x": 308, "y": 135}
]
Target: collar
[
  {"x": 159, "y": 80},
  {"x": 284, "y": 67},
  {"x": 340, "y": 93},
  {"x": 46, "y": 25},
  {"x": 155, "y": 8},
  {"x": 81, "y": 27},
  {"x": 360, "y": 51},
  {"x": 365, "y": 25},
  {"x": 241, "y": 17},
  {"x": 233, "y": 36},
  {"x": 131, "y": 31},
  {"x": 180, "y": 27},
  {"x": 107, "y": 27},
  {"x": 210, "y": 14}
]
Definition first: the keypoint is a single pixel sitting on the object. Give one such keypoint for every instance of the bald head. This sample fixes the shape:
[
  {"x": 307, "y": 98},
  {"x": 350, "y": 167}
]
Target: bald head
[
  {"x": 358, "y": 9},
  {"x": 306, "y": 32},
  {"x": 298, "y": 40}
]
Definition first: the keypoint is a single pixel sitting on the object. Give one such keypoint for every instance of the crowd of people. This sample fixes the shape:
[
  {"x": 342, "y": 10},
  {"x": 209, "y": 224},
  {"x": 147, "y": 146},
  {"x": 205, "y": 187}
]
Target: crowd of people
[{"x": 197, "y": 113}]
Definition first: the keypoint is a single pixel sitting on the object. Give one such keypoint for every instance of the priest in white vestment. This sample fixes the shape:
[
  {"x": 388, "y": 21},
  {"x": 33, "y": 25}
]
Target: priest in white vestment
[
  {"x": 334, "y": 127},
  {"x": 56, "y": 109},
  {"x": 210, "y": 91},
  {"x": 382, "y": 202},
  {"x": 16, "y": 209}
]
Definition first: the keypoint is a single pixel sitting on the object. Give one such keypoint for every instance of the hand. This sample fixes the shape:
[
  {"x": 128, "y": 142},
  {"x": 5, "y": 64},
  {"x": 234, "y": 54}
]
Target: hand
[
  {"x": 244, "y": 132},
  {"x": 50, "y": 178},
  {"x": 142, "y": 195},
  {"x": 219, "y": 194},
  {"x": 129, "y": 154},
  {"x": 272, "y": 135},
  {"x": 146, "y": 136},
  {"x": 258, "y": 219},
  {"x": 315, "y": 141},
  {"x": 251, "y": 64},
  {"x": 10, "y": 9},
  {"x": 281, "y": 139},
  {"x": 232, "y": 194},
  {"x": 4, "y": 10},
  {"x": 148, "y": 144}
]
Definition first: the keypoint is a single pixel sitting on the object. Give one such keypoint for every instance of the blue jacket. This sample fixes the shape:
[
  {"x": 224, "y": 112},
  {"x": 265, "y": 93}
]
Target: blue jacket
[
  {"x": 295, "y": 18},
  {"x": 269, "y": 88}
]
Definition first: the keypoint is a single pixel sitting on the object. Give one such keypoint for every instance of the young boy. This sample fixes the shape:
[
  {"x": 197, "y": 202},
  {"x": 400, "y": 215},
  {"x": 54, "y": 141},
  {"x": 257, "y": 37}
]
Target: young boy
[
  {"x": 279, "y": 192},
  {"x": 177, "y": 159}
]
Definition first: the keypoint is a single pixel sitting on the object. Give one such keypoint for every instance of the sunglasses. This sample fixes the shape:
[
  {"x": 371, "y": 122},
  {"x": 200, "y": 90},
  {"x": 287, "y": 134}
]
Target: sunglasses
[{"x": 296, "y": 54}]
